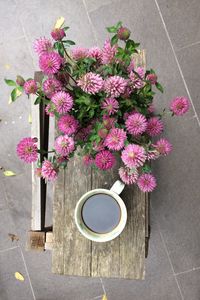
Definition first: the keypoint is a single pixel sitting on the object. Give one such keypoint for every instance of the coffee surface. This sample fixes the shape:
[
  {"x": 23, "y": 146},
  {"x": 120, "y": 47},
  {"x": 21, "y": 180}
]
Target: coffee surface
[{"x": 101, "y": 213}]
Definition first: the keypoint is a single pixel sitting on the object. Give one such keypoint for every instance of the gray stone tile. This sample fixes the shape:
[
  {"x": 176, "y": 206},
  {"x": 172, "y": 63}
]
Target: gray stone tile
[
  {"x": 11, "y": 288},
  {"x": 7, "y": 226},
  {"x": 182, "y": 20},
  {"x": 96, "y": 4},
  {"x": 188, "y": 59},
  {"x": 159, "y": 281},
  {"x": 189, "y": 283},
  {"x": 10, "y": 27},
  {"x": 146, "y": 27},
  {"x": 51, "y": 286},
  {"x": 15, "y": 59},
  {"x": 176, "y": 199},
  {"x": 18, "y": 192},
  {"x": 3, "y": 202}
]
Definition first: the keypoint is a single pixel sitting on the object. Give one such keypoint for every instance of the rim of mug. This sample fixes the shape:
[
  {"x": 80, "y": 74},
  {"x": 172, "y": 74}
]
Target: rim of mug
[{"x": 100, "y": 237}]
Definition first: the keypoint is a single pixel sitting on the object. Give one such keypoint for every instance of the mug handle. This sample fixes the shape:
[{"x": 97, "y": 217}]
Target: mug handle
[{"x": 117, "y": 187}]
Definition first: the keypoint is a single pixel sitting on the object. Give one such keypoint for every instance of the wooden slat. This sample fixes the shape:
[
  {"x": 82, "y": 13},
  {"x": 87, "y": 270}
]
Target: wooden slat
[
  {"x": 76, "y": 247},
  {"x": 36, "y": 187},
  {"x": 58, "y": 228},
  {"x": 105, "y": 256}
]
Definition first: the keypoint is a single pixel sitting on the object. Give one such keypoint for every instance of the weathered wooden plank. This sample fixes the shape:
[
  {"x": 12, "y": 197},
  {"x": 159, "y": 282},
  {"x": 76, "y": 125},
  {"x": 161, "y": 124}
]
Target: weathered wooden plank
[
  {"x": 58, "y": 228},
  {"x": 132, "y": 239},
  {"x": 77, "y": 249},
  {"x": 105, "y": 256}
]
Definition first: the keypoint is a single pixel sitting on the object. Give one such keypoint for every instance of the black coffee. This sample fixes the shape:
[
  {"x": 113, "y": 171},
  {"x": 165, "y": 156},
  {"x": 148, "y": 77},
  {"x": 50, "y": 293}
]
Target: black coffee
[{"x": 101, "y": 213}]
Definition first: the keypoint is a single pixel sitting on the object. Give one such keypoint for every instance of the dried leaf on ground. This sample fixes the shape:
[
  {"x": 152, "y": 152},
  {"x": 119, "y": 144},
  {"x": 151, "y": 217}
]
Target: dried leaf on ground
[
  {"x": 30, "y": 119},
  {"x": 59, "y": 22},
  {"x": 19, "y": 276},
  {"x": 9, "y": 173},
  {"x": 104, "y": 297},
  {"x": 13, "y": 237}
]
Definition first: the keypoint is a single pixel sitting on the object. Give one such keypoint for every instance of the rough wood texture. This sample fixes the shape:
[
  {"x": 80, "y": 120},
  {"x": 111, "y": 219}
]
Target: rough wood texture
[
  {"x": 75, "y": 255},
  {"x": 35, "y": 241}
]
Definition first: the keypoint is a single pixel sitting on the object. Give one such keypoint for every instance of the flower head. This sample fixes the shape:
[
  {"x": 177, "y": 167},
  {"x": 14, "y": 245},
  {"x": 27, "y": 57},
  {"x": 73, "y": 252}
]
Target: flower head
[
  {"x": 63, "y": 102},
  {"x": 105, "y": 160},
  {"x": 42, "y": 46},
  {"x": 135, "y": 81},
  {"x": 50, "y": 62},
  {"x": 79, "y": 53},
  {"x": 30, "y": 86},
  {"x": 152, "y": 78},
  {"x": 127, "y": 175},
  {"x": 49, "y": 172},
  {"x": 146, "y": 182},
  {"x": 111, "y": 105},
  {"x": 133, "y": 156},
  {"x": 123, "y": 33},
  {"x": 154, "y": 126},
  {"x": 95, "y": 52},
  {"x": 179, "y": 106},
  {"x": 163, "y": 146},
  {"x": 115, "y": 139},
  {"x": 27, "y": 150},
  {"x": 153, "y": 154},
  {"x": 20, "y": 80},
  {"x": 58, "y": 34},
  {"x": 115, "y": 86},
  {"x": 88, "y": 160},
  {"x": 49, "y": 109},
  {"x": 108, "y": 52},
  {"x": 136, "y": 124},
  {"x": 91, "y": 83},
  {"x": 64, "y": 145},
  {"x": 50, "y": 86},
  {"x": 67, "y": 124}
]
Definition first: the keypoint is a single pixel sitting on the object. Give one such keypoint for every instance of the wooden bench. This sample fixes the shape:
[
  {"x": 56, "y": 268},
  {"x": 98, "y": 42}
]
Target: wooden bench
[{"x": 73, "y": 254}]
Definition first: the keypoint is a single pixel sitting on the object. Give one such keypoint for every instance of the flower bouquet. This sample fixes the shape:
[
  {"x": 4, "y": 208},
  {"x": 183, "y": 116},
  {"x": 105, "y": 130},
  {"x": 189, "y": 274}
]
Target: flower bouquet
[{"x": 103, "y": 105}]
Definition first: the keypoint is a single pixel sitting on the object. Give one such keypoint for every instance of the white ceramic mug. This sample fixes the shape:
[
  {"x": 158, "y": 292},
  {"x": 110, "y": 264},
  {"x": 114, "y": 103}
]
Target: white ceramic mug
[{"x": 114, "y": 192}]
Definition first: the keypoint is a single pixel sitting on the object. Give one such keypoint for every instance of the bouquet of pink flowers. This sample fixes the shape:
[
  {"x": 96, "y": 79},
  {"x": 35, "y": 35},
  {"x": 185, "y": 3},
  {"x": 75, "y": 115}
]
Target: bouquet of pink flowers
[{"x": 103, "y": 105}]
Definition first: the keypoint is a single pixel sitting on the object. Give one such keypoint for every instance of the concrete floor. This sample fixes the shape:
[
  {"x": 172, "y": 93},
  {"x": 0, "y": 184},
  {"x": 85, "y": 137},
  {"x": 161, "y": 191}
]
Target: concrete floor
[{"x": 169, "y": 30}]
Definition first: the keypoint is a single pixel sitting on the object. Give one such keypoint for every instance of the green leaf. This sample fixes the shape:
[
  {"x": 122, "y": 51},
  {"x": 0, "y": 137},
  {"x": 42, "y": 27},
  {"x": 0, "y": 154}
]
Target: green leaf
[
  {"x": 111, "y": 29},
  {"x": 37, "y": 100},
  {"x": 69, "y": 42},
  {"x": 10, "y": 82},
  {"x": 114, "y": 39},
  {"x": 15, "y": 94},
  {"x": 146, "y": 169},
  {"x": 159, "y": 87},
  {"x": 65, "y": 28},
  {"x": 9, "y": 173},
  {"x": 118, "y": 25}
]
